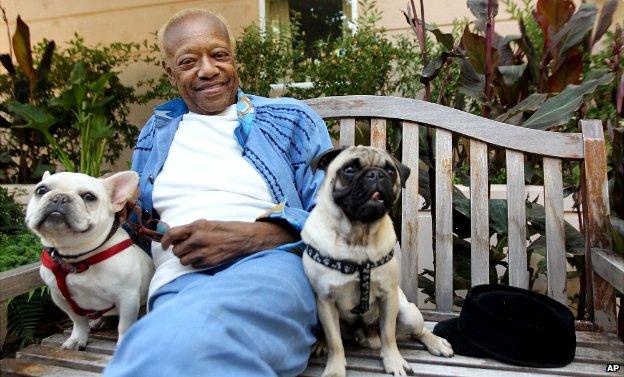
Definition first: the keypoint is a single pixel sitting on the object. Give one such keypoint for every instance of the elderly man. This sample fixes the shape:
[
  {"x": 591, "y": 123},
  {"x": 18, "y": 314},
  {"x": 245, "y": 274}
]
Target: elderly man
[{"x": 229, "y": 173}]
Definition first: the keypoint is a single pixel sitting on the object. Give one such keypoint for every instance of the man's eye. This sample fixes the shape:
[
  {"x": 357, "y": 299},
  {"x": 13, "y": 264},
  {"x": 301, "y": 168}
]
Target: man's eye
[{"x": 41, "y": 190}]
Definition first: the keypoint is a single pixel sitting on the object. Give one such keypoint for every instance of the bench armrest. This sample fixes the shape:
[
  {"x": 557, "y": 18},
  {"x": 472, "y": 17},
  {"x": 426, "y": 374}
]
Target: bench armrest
[
  {"x": 609, "y": 266},
  {"x": 19, "y": 280}
]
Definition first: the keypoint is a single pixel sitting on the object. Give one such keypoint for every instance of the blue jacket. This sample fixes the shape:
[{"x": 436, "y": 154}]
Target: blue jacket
[{"x": 279, "y": 137}]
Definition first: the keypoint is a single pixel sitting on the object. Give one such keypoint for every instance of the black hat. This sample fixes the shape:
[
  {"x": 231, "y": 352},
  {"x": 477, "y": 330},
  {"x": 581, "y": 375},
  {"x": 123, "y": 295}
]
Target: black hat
[{"x": 513, "y": 325}]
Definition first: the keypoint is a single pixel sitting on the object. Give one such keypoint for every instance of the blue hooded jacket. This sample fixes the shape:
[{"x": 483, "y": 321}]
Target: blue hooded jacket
[{"x": 279, "y": 138}]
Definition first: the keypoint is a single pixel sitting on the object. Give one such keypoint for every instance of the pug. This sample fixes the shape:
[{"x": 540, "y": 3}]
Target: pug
[
  {"x": 350, "y": 262},
  {"x": 89, "y": 262}
]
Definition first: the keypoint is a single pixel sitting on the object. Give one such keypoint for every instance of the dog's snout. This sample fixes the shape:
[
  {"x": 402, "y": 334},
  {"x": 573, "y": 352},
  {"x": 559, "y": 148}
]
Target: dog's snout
[
  {"x": 60, "y": 198},
  {"x": 374, "y": 175}
]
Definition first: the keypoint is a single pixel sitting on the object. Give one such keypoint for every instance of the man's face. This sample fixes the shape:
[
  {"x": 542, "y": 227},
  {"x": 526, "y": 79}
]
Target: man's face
[{"x": 200, "y": 63}]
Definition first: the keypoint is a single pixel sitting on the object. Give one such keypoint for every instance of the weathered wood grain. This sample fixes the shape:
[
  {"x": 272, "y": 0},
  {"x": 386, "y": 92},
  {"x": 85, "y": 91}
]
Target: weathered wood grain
[
  {"x": 81, "y": 360},
  {"x": 516, "y": 219},
  {"x": 609, "y": 266},
  {"x": 409, "y": 214},
  {"x": 347, "y": 132},
  {"x": 19, "y": 280},
  {"x": 479, "y": 214},
  {"x": 557, "y": 144},
  {"x": 596, "y": 212},
  {"x": 25, "y": 368},
  {"x": 444, "y": 221},
  {"x": 378, "y": 133},
  {"x": 555, "y": 231}
]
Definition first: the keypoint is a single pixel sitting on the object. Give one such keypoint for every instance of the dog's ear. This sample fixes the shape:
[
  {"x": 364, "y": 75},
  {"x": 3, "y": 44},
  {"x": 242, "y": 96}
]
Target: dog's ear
[
  {"x": 322, "y": 161},
  {"x": 122, "y": 187},
  {"x": 404, "y": 171}
]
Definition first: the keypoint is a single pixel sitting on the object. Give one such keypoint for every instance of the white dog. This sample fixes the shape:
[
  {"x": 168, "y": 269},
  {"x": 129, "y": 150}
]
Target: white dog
[
  {"x": 89, "y": 262},
  {"x": 350, "y": 260}
]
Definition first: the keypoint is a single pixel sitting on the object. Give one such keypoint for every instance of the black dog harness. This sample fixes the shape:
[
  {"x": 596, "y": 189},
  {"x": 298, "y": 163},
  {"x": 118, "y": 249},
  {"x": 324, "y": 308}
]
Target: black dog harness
[{"x": 348, "y": 267}]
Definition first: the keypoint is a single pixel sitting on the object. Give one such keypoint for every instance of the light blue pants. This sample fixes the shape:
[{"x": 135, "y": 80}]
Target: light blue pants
[{"x": 253, "y": 318}]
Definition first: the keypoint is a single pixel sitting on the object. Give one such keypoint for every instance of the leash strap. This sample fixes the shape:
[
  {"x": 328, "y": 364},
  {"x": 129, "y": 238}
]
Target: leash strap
[
  {"x": 61, "y": 268},
  {"x": 349, "y": 267}
]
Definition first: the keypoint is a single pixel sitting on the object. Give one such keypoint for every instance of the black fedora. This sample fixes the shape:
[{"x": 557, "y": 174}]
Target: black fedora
[{"x": 513, "y": 325}]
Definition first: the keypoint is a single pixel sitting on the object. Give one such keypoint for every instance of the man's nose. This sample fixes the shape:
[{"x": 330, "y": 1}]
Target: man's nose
[{"x": 207, "y": 69}]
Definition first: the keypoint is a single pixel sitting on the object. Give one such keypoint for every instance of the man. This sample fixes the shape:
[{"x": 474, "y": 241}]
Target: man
[{"x": 230, "y": 174}]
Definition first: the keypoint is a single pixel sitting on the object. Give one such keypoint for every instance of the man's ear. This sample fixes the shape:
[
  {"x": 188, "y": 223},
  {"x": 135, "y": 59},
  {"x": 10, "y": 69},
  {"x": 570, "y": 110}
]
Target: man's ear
[
  {"x": 122, "y": 186},
  {"x": 169, "y": 71},
  {"x": 322, "y": 161},
  {"x": 404, "y": 171}
]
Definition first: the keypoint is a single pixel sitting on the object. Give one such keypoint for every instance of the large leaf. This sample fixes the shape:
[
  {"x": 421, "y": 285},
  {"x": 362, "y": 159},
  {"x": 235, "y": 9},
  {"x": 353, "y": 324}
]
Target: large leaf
[
  {"x": 559, "y": 109},
  {"x": 37, "y": 118},
  {"x": 474, "y": 46},
  {"x": 22, "y": 50},
  {"x": 531, "y": 103},
  {"x": 569, "y": 72},
  {"x": 43, "y": 70},
  {"x": 512, "y": 73},
  {"x": 446, "y": 39},
  {"x": 479, "y": 10},
  {"x": 573, "y": 32},
  {"x": 551, "y": 15},
  {"x": 605, "y": 19},
  {"x": 527, "y": 47},
  {"x": 472, "y": 83},
  {"x": 433, "y": 68},
  {"x": 5, "y": 59}
]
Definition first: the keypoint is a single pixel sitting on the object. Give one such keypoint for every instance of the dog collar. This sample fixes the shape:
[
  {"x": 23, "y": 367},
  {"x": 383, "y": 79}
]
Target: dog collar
[
  {"x": 61, "y": 268},
  {"x": 349, "y": 267}
]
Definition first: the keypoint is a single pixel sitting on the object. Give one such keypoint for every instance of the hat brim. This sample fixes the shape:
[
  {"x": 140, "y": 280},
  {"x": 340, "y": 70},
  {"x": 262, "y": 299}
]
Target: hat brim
[{"x": 448, "y": 330}]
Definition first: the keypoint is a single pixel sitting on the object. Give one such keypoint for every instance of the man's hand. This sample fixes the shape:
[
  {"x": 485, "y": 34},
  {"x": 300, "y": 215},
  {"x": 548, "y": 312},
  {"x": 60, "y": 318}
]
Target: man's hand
[{"x": 204, "y": 243}]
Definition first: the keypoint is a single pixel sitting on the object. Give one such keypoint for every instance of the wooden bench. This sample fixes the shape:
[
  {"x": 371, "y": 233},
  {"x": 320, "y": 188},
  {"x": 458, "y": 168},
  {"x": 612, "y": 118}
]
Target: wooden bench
[{"x": 597, "y": 343}]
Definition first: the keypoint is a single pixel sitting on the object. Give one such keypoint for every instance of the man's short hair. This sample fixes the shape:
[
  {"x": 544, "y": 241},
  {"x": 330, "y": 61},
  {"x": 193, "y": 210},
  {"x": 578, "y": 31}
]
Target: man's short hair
[{"x": 181, "y": 15}]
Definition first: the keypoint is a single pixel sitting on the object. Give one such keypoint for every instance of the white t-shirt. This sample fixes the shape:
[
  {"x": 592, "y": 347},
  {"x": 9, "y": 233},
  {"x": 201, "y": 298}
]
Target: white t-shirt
[{"x": 204, "y": 177}]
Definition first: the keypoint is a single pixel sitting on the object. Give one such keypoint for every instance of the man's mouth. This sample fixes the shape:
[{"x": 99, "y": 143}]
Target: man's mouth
[{"x": 212, "y": 88}]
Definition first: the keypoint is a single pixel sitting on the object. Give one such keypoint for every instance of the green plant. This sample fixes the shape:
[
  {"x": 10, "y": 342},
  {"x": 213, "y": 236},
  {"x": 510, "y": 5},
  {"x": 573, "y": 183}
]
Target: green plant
[
  {"x": 268, "y": 57},
  {"x": 24, "y": 156},
  {"x": 63, "y": 123}
]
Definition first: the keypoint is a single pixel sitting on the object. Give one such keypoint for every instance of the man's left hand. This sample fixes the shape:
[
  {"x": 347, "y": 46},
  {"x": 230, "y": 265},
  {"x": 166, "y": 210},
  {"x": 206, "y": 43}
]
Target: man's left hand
[{"x": 205, "y": 243}]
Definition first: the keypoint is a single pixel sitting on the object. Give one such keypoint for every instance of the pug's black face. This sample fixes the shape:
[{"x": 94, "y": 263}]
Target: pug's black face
[{"x": 365, "y": 193}]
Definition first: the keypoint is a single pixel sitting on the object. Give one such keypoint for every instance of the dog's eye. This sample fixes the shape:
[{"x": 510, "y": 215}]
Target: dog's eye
[
  {"x": 349, "y": 170},
  {"x": 89, "y": 197},
  {"x": 41, "y": 190}
]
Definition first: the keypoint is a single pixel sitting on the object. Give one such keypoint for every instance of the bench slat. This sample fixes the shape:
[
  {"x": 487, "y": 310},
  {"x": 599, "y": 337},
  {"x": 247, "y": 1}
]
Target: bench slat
[
  {"x": 479, "y": 214},
  {"x": 409, "y": 214},
  {"x": 516, "y": 219},
  {"x": 25, "y": 368},
  {"x": 347, "y": 132},
  {"x": 444, "y": 221},
  {"x": 545, "y": 143},
  {"x": 378, "y": 133},
  {"x": 555, "y": 232},
  {"x": 82, "y": 360}
]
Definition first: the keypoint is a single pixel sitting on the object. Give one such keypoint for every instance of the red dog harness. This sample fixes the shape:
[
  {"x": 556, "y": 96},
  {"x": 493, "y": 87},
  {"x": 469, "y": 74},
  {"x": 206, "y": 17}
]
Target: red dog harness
[{"x": 62, "y": 268}]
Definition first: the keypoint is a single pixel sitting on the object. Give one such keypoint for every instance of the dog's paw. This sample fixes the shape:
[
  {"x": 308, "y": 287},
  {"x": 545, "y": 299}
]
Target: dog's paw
[
  {"x": 320, "y": 348},
  {"x": 436, "y": 345},
  {"x": 75, "y": 343},
  {"x": 330, "y": 372},
  {"x": 396, "y": 365}
]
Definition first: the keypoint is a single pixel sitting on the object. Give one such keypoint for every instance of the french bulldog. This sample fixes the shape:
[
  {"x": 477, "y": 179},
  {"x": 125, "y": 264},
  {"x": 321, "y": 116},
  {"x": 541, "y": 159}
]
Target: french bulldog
[
  {"x": 350, "y": 263},
  {"x": 75, "y": 216}
]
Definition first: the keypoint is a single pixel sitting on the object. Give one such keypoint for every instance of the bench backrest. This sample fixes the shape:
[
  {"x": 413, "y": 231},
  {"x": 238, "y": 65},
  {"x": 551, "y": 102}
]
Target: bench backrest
[{"x": 553, "y": 147}]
